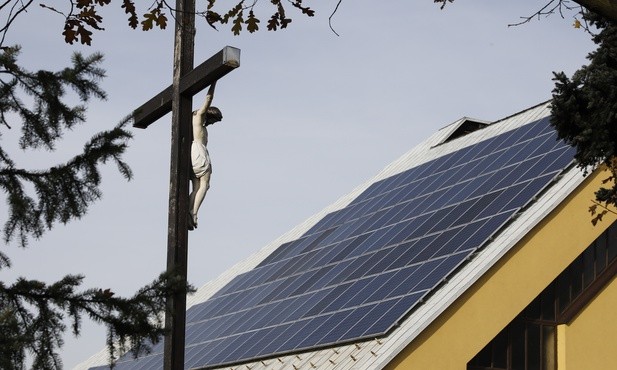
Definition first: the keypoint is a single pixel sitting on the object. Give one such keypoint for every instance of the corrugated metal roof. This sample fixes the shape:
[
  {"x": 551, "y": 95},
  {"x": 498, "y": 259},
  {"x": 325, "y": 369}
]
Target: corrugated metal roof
[{"x": 375, "y": 354}]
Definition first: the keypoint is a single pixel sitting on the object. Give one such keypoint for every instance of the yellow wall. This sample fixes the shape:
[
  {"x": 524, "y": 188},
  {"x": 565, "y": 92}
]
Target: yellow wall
[
  {"x": 590, "y": 340},
  {"x": 507, "y": 288}
]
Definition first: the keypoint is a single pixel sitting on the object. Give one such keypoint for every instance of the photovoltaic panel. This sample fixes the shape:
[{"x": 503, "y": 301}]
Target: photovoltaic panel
[{"x": 360, "y": 270}]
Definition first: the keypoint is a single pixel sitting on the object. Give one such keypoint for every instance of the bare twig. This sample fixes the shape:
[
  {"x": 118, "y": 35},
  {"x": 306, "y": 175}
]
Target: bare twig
[
  {"x": 52, "y": 9},
  {"x": 12, "y": 17},
  {"x": 583, "y": 23},
  {"x": 7, "y": 2},
  {"x": 548, "y": 9},
  {"x": 332, "y": 15},
  {"x": 539, "y": 13}
]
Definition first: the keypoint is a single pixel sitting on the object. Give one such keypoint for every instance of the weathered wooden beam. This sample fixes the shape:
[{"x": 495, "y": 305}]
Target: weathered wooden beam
[
  {"x": 192, "y": 83},
  {"x": 180, "y": 162}
]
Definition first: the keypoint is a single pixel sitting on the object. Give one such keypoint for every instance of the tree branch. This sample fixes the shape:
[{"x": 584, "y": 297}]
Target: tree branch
[
  {"x": 606, "y": 8},
  {"x": 332, "y": 15},
  {"x": 11, "y": 18},
  {"x": 548, "y": 9}
]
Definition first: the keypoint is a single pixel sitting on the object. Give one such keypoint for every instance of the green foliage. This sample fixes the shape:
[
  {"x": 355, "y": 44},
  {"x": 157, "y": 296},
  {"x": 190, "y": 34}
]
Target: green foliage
[
  {"x": 129, "y": 8},
  {"x": 584, "y": 107},
  {"x": 252, "y": 23},
  {"x": 33, "y": 313},
  {"x": 154, "y": 17},
  {"x": 235, "y": 15},
  {"x": 84, "y": 17},
  {"x": 75, "y": 26},
  {"x": 63, "y": 192}
]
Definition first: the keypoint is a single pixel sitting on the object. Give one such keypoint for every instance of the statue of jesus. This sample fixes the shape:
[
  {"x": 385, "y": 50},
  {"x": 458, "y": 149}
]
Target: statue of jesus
[{"x": 200, "y": 159}]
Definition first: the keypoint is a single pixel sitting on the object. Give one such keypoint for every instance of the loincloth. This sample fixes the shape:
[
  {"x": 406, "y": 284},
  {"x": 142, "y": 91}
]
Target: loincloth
[{"x": 200, "y": 159}]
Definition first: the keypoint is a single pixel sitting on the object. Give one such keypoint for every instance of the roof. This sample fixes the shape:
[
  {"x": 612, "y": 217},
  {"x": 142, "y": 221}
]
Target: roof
[{"x": 462, "y": 176}]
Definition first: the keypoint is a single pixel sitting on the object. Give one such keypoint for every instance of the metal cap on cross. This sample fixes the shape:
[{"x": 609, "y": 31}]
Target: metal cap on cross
[{"x": 177, "y": 98}]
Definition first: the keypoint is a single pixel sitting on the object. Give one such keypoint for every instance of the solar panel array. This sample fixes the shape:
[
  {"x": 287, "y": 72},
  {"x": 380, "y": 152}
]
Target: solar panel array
[{"x": 360, "y": 270}]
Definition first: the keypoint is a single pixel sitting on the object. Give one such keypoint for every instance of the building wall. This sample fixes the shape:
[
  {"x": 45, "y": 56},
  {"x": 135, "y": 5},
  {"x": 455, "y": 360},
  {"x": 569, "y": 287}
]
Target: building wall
[
  {"x": 590, "y": 340},
  {"x": 509, "y": 286}
]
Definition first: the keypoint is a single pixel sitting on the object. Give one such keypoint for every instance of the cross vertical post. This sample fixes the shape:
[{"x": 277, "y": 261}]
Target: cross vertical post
[
  {"x": 177, "y": 233},
  {"x": 177, "y": 98}
]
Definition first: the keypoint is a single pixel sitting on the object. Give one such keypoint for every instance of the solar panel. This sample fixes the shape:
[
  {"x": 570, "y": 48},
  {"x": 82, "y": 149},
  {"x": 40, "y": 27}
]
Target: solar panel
[{"x": 360, "y": 270}]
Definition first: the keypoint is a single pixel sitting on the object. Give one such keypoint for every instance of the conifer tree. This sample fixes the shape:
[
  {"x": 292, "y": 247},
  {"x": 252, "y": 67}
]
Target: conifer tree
[
  {"x": 584, "y": 109},
  {"x": 33, "y": 314}
]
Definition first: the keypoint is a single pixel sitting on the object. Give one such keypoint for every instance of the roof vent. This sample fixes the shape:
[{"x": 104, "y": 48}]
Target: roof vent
[{"x": 466, "y": 126}]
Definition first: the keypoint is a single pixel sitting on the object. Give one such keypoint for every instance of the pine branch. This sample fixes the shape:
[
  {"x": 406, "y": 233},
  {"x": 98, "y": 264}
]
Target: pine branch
[
  {"x": 63, "y": 192},
  {"x": 584, "y": 108},
  {"x": 44, "y": 123},
  {"x": 32, "y": 315}
]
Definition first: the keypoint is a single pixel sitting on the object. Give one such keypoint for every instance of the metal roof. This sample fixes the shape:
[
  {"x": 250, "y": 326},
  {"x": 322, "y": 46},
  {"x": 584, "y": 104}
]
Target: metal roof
[{"x": 376, "y": 353}]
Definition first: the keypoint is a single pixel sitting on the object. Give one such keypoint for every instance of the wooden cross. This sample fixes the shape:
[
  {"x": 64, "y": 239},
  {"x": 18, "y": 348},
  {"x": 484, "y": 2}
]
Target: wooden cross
[{"x": 177, "y": 98}]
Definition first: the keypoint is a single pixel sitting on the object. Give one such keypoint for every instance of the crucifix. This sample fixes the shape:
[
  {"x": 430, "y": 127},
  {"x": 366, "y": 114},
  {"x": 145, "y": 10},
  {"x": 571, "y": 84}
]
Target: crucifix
[{"x": 177, "y": 98}]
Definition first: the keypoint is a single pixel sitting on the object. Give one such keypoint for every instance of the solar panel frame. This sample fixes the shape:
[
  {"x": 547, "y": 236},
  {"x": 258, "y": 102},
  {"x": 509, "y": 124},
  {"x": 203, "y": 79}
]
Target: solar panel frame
[{"x": 408, "y": 232}]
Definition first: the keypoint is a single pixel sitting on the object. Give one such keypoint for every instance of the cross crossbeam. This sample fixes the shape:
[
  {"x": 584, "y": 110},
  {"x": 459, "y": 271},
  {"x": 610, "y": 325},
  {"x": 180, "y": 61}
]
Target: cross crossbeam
[{"x": 192, "y": 83}]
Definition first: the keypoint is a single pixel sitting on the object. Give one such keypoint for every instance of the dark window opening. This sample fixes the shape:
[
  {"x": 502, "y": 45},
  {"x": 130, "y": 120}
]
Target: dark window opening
[
  {"x": 529, "y": 341},
  {"x": 466, "y": 127}
]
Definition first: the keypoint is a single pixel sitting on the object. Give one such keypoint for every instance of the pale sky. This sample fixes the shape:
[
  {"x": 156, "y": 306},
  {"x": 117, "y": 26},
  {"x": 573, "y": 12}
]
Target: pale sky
[{"x": 307, "y": 117}]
